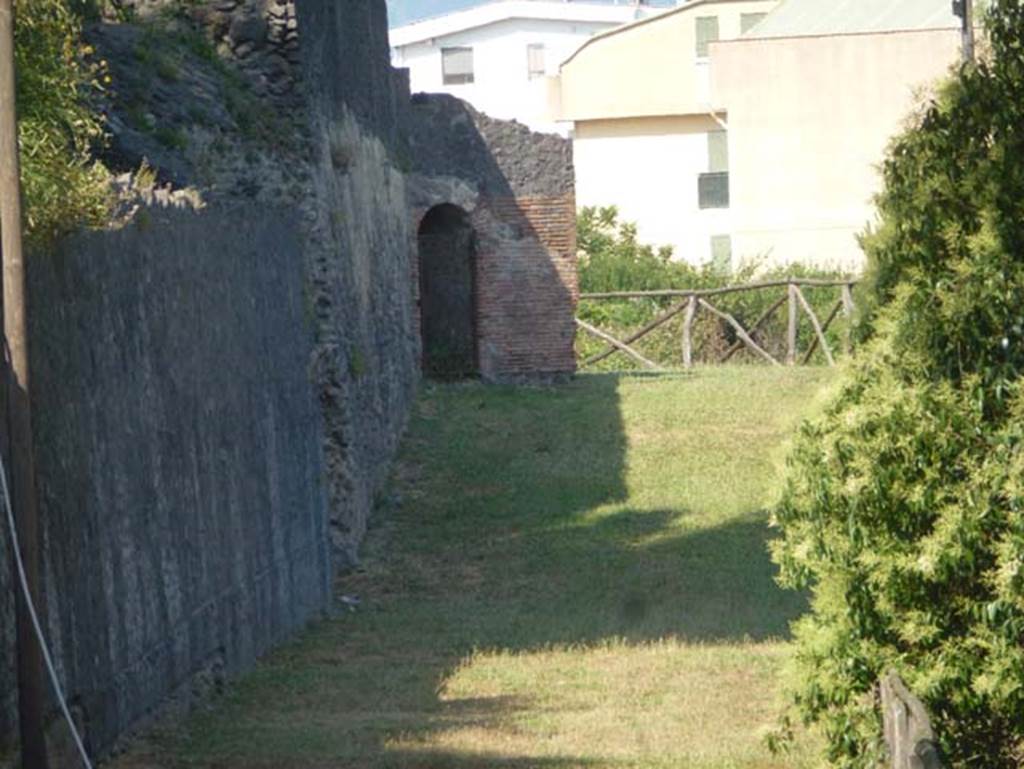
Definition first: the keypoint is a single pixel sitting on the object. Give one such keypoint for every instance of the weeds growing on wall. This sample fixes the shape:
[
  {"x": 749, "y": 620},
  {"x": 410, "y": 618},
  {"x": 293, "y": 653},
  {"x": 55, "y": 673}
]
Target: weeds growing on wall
[
  {"x": 57, "y": 75},
  {"x": 902, "y": 509},
  {"x": 611, "y": 259}
]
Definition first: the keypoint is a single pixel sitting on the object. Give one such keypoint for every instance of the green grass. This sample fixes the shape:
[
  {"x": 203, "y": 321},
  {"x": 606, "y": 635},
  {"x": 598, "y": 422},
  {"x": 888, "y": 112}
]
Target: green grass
[{"x": 559, "y": 577}]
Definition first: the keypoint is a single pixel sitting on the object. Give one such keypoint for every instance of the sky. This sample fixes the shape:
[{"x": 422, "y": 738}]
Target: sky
[{"x": 404, "y": 11}]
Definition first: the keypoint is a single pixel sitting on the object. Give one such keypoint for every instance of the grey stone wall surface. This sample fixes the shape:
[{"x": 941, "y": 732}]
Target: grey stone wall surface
[
  {"x": 219, "y": 392},
  {"x": 8, "y": 691},
  {"x": 179, "y": 454},
  {"x": 502, "y": 158},
  {"x": 360, "y": 250}
]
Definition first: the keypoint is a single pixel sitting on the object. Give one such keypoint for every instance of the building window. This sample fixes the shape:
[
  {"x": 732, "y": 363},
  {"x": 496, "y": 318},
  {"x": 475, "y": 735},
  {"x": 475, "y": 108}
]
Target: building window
[
  {"x": 713, "y": 190},
  {"x": 535, "y": 65},
  {"x": 457, "y": 65},
  {"x": 713, "y": 186},
  {"x": 721, "y": 253},
  {"x": 707, "y": 32},
  {"x": 750, "y": 20}
]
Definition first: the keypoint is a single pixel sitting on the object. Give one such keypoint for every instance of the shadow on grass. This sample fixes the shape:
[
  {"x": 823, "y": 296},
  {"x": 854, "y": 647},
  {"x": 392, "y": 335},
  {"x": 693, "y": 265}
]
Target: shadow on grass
[{"x": 511, "y": 528}]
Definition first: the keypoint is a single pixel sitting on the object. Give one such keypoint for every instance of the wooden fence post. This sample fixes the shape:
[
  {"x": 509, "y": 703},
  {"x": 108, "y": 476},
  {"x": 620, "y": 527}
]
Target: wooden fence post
[
  {"x": 691, "y": 311},
  {"x": 791, "y": 329},
  {"x": 908, "y": 731},
  {"x": 818, "y": 330},
  {"x": 848, "y": 309}
]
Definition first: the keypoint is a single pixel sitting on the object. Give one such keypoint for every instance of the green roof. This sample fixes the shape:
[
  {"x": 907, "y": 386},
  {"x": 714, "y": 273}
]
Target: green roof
[{"x": 803, "y": 18}]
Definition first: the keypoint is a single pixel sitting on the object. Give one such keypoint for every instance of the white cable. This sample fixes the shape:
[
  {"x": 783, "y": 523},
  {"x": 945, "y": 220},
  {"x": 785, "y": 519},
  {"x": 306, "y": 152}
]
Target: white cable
[{"x": 35, "y": 620}]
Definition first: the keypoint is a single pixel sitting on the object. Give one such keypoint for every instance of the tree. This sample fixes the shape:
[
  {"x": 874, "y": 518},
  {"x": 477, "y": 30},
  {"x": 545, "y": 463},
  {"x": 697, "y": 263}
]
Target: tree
[
  {"x": 64, "y": 185},
  {"x": 901, "y": 511}
]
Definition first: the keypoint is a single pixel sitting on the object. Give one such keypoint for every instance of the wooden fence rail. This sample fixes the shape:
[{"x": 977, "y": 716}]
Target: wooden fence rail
[{"x": 695, "y": 300}]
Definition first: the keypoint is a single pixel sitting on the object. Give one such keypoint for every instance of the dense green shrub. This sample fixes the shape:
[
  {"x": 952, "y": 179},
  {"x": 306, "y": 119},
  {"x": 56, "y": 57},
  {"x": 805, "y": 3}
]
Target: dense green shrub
[
  {"x": 901, "y": 511},
  {"x": 611, "y": 259},
  {"x": 63, "y": 186}
]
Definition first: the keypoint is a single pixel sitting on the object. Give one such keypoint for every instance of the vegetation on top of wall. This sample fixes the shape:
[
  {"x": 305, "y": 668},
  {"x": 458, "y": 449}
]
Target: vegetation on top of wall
[
  {"x": 612, "y": 259},
  {"x": 64, "y": 187},
  {"x": 902, "y": 508}
]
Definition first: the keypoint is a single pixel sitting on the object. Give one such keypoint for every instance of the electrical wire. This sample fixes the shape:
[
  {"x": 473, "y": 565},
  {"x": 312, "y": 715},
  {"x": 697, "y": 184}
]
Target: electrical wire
[{"x": 23, "y": 579}]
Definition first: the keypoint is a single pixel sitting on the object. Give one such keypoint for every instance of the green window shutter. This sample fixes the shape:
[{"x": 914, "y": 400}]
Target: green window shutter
[
  {"x": 750, "y": 20},
  {"x": 721, "y": 253},
  {"x": 707, "y": 32},
  {"x": 718, "y": 152}
]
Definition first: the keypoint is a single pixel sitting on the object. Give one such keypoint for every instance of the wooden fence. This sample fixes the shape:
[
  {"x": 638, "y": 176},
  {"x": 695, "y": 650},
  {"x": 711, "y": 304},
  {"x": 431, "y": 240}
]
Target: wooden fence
[
  {"x": 694, "y": 301},
  {"x": 908, "y": 730}
]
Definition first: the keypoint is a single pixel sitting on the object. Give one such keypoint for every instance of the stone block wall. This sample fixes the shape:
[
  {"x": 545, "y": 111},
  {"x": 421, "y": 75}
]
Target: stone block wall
[
  {"x": 359, "y": 251},
  {"x": 8, "y": 673},
  {"x": 182, "y": 496},
  {"x": 220, "y": 391}
]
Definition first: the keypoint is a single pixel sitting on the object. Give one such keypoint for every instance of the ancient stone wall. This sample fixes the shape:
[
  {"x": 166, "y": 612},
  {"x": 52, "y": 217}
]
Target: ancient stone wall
[
  {"x": 8, "y": 689},
  {"x": 221, "y": 390},
  {"x": 518, "y": 189},
  {"x": 179, "y": 451},
  {"x": 360, "y": 253}
]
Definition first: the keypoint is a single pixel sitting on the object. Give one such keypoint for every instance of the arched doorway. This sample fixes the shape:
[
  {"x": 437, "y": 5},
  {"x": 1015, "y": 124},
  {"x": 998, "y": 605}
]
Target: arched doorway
[{"x": 447, "y": 293}]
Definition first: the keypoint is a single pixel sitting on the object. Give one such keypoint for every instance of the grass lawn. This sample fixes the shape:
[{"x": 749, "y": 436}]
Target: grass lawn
[{"x": 559, "y": 577}]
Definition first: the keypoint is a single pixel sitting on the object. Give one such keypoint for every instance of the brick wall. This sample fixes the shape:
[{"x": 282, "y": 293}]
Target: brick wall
[
  {"x": 526, "y": 286},
  {"x": 518, "y": 189}
]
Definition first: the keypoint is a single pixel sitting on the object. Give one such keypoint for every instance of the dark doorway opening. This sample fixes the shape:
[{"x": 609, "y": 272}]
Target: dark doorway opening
[{"x": 447, "y": 293}]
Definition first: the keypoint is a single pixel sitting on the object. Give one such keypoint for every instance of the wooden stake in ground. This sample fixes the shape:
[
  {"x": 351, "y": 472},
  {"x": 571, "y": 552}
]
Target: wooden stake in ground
[{"x": 19, "y": 417}]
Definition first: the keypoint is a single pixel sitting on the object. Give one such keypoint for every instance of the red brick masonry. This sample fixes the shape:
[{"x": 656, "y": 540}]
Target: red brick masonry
[{"x": 526, "y": 286}]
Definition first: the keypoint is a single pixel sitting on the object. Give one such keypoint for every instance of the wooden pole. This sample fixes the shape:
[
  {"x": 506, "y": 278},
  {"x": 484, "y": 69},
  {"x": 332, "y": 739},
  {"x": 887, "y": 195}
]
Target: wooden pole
[
  {"x": 740, "y": 331},
  {"x": 848, "y": 310},
  {"x": 19, "y": 417},
  {"x": 616, "y": 343},
  {"x": 691, "y": 312},
  {"x": 662, "y": 319},
  {"x": 705, "y": 292},
  {"x": 737, "y": 346},
  {"x": 791, "y": 328},
  {"x": 907, "y": 728},
  {"x": 824, "y": 328},
  {"x": 817, "y": 327}
]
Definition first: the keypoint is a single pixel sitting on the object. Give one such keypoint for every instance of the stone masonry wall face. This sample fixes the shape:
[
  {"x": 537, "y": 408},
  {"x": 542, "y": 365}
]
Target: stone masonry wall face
[
  {"x": 223, "y": 391},
  {"x": 8, "y": 675},
  {"x": 179, "y": 451},
  {"x": 359, "y": 250}
]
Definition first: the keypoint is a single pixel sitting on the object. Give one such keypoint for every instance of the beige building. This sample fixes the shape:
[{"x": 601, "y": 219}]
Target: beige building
[
  {"x": 646, "y": 136},
  {"x": 834, "y": 82},
  {"x": 745, "y": 129}
]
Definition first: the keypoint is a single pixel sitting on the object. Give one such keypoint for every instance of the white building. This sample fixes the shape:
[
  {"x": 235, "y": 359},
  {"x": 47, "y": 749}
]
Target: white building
[
  {"x": 500, "y": 56},
  {"x": 835, "y": 81},
  {"x": 738, "y": 130},
  {"x": 647, "y": 137}
]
